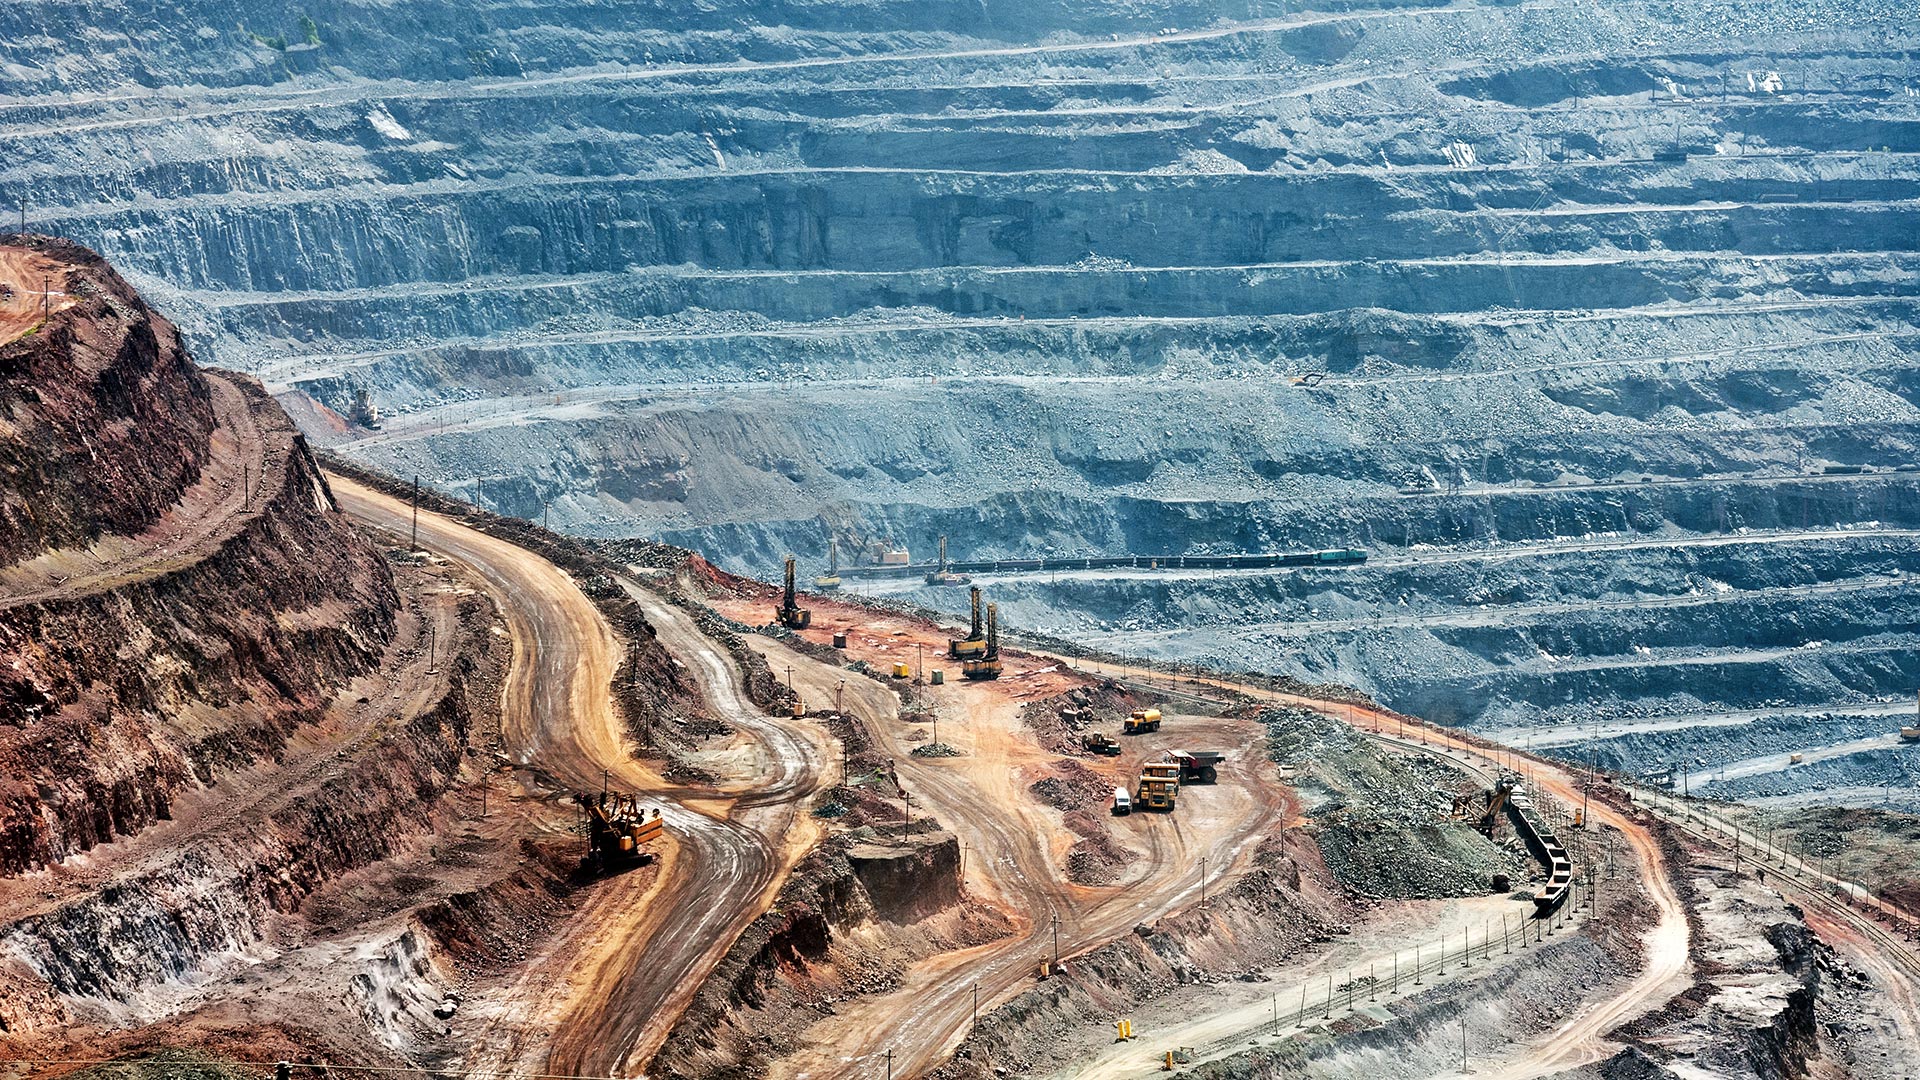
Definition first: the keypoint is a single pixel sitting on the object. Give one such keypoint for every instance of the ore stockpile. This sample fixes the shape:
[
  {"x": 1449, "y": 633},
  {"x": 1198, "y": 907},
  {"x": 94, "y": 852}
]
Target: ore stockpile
[{"x": 1592, "y": 325}]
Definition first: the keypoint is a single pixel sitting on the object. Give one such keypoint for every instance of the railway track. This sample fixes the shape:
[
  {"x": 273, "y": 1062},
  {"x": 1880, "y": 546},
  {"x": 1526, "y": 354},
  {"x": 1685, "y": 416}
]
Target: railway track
[
  {"x": 1809, "y": 881},
  {"x": 1886, "y": 951}
]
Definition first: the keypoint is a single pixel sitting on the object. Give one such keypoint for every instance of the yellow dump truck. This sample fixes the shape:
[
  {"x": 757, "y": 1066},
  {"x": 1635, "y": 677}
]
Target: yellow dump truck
[
  {"x": 1141, "y": 722},
  {"x": 1159, "y": 785}
]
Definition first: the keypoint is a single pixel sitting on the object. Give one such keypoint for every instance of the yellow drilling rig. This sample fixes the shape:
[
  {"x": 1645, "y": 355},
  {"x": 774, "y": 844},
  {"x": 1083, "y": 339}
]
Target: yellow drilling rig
[
  {"x": 987, "y": 666},
  {"x": 942, "y": 575},
  {"x": 831, "y": 579},
  {"x": 792, "y": 615},
  {"x": 975, "y": 643}
]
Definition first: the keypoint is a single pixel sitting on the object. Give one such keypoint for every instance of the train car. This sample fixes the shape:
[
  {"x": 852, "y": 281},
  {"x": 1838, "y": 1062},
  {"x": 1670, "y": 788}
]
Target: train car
[
  {"x": 1545, "y": 847},
  {"x": 1340, "y": 556}
]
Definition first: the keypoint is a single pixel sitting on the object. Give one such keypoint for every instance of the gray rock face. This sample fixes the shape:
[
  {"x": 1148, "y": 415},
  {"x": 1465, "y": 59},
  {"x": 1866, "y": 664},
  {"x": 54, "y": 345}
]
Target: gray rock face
[{"x": 1047, "y": 277}]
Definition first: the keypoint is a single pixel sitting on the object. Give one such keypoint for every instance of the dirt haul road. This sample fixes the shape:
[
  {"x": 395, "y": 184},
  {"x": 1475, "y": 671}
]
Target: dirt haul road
[
  {"x": 245, "y": 470},
  {"x": 1845, "y": 914},
  {"x": 635, "y": 954},
  {"x": 1014, "y": 845},
  {"x": 34, "y": 290},
  {"x": 1582, "y": 1039}
]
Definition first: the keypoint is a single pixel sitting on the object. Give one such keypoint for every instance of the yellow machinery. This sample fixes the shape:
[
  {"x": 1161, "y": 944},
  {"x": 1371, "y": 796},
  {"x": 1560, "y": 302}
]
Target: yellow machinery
[
  {"x": 1496, "y": 805},
  {"x": 975, "y": 643},
  {"x": 1159, "y": 785},
  {"x": 943, "y": 576},
  {"x": 902, "y": 670},
  {"x": 617, "y": 831},
  {"x": 792, "y": 615},
  {"x": 831, "y": 579},
  {"x": 988, "y": 664},
  {"x": 1141, "y": 722}
]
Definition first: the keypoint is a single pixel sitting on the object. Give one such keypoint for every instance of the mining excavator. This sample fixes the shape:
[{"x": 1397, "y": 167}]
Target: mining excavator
[
  {"x": 831, "y": 579},
  {"x": 975, "y": 643},
  {"x": 987, "y": 666},
  {"x": 792, "y": 615},
  {"x": 618, "y": 828},
  {"x": 944, "y": 576},
  {"x": 1496, "y": 805}
]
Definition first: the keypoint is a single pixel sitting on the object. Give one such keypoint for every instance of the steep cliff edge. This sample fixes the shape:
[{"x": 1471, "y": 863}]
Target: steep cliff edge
[
  {"x": 104, "y": 421},
  {"x": 219, "y": 602}
]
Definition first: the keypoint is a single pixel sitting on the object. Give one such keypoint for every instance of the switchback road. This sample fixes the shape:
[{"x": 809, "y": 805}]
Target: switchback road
[{"x": 644, "y": 948}]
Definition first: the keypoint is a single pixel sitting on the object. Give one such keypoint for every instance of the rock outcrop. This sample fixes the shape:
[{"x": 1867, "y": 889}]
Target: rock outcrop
[
  {"x": 104, "y": 421},
  {"x": 160, "y": 661}
]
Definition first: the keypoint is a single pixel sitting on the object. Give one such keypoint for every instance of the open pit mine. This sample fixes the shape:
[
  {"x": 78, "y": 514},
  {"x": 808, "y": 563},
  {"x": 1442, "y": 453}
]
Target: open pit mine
[{"x": 807, "y": 539}]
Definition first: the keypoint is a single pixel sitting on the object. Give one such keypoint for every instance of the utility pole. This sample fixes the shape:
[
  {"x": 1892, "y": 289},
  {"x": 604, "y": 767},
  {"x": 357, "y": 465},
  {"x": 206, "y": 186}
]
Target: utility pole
[
  {"x": 246, "y": 488},
  {"x": 976, "y": 1006},
  {"x": 889, "y": 1064},
  {"x": 433, "y": 643},
  {"x": 1056, "y": 939},
  {"x": 1203, "y": 881},
  {"x": 789, "y": 676},
  {"x": 413, "y": 543},
  {"x": 836, "y": 694}
]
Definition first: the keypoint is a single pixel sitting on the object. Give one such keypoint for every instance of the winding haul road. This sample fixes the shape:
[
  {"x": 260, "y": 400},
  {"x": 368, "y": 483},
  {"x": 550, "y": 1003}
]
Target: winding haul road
[
  {"x": 654, "y": 944},
  {"x": 646, "y": 949},
  {"x": 650, "y": 947},
  {"x": 1010, "y": 862}
]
